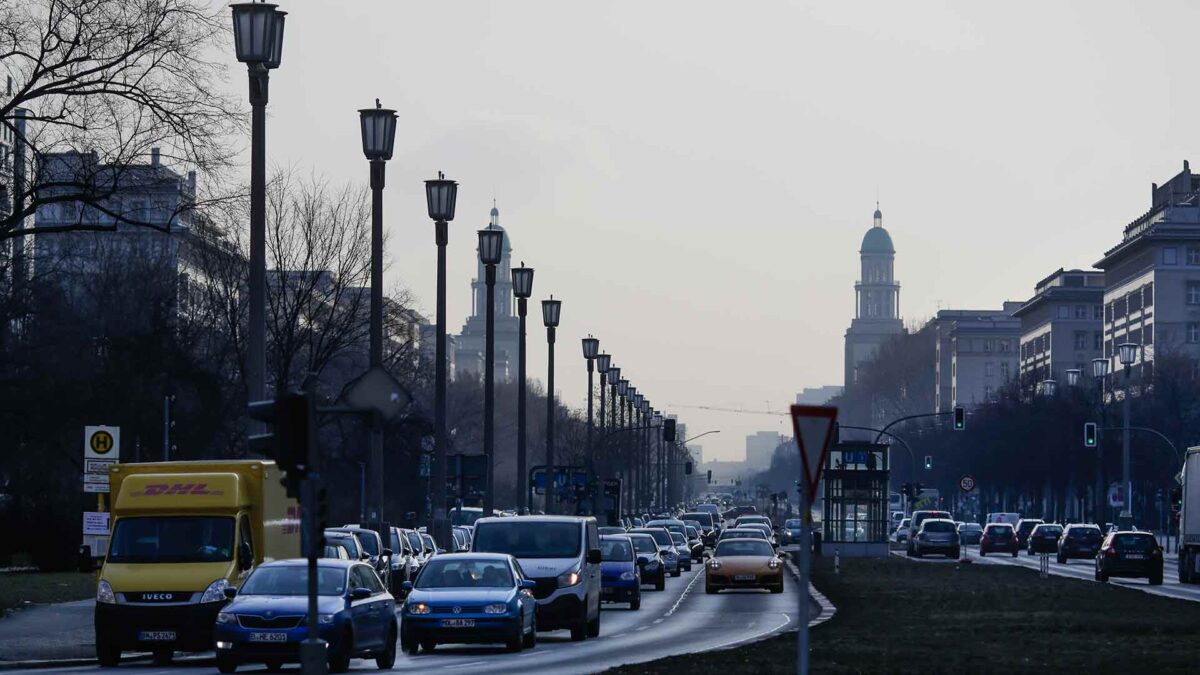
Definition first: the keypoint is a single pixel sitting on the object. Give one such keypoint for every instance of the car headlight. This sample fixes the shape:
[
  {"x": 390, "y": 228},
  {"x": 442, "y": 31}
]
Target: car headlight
[
  {"x": 498, "y": 608},
  {"x": 628, "y": 576},
  {"x": 325, "y": 619},
  {"x": 568, "y": 579},
  {"x": 714, "y": 564},
  {"x": 773, "y": 563},
  {"x": 104, "y": 593},
  {"x": 419, "y": 608},
  {"x": 225, "y": 617},
  {"x": 215, "y": 591}
]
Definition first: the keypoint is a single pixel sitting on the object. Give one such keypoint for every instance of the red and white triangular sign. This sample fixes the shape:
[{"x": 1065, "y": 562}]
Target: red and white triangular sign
[{"x": 813, "y": 425}]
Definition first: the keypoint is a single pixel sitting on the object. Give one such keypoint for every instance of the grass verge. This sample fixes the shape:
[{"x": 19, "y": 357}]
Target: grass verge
[
  {"x": 900, "y": 616},
  {"x": 18, "y": 588}
]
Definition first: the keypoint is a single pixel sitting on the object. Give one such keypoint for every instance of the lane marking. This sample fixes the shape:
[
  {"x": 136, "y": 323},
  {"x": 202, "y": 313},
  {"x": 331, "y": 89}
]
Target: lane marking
[
  {"x": 786, "y": 620},
  {"x": 683, "y": 595},
  {"x": 642, "y": 627},
  {"x": 464, "y": 665},
  {"x": 658, "y": 621}
]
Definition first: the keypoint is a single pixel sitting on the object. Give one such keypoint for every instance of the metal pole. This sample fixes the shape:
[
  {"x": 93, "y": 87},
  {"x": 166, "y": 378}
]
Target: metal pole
[
  {"x": 603, "y": 426},
  {"x": 256, "y": 355},
  {"x": 439, "y": 528},
  {"x": 362, "y": 492},
  {"x": 522, "y": 490},
  {"x": 590, "y": 424},
  {"x": 375, "y": 458},
  {"x": 1126, "y": 511},
  {"x": 550, "y": 472},
  {"x": 1098, "y": 497},
  {"x": 662, "y": 475},
  {"x": 805, "y": 556},
  {"x": 167, "y": 428},
  {"x": 489, "y": 387}
]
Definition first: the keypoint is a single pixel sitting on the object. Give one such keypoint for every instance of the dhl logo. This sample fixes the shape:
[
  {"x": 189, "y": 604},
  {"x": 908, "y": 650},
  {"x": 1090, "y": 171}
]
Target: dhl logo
[{"x": 157, "y": 489}]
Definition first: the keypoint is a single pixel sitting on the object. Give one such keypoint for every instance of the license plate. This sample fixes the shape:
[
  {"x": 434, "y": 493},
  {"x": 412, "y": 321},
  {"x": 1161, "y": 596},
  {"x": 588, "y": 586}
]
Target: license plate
[
  {"x": 743, "y": 577},
  {"x": 1135, "y": 556},
  {"x": 156, "y": 635},
  {"x": 458, "y": 623},
  {"x": 268, "y": 637}
]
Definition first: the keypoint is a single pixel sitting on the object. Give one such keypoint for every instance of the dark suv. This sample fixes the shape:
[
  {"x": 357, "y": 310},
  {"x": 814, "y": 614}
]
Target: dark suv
[
  {"x": 1044, "y": 538},
  {"x": 914, "y": 524},
  {"x": 1079, "y": 541},
  {"x": 1130, "y": 554}
]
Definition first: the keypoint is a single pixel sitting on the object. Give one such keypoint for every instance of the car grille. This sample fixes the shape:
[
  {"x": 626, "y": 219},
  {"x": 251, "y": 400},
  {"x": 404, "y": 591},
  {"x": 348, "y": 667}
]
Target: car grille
[
  {"x": 251, "y": 621},
  {"x": 545, "y": 587},
  {"x": 462, "y": 609}
]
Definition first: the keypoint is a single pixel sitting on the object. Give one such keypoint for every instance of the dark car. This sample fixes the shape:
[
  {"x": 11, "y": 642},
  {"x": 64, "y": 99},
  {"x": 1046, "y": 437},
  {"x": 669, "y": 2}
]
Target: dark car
[
  {"x": 970, "y": 533},
  {"x": 1044, "y": 538},
  {"x": 999, "y": 538},
  {"x": 473, "y": 598},
  {"x": 1025, "y": 528},
  {"x": 620, "y": 580},
  {"x": 914, "y": 525},
  {"x": 1130, "y": 554},
  {"x": 610, "y": 531},
  {"x": 650, "y": 565},
  {"x": 265, "y": 621},
  {"x": 1079, "y": 541}
]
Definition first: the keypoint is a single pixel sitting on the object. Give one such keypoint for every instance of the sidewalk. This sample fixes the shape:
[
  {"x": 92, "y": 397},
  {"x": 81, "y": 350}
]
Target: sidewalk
[{"x": 59, "y": 631}]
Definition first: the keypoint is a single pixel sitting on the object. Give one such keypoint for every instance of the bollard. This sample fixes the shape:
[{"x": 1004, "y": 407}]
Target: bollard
[
  {"x": 837, "y": 561},
  {"x": 1044, "y": 565}
]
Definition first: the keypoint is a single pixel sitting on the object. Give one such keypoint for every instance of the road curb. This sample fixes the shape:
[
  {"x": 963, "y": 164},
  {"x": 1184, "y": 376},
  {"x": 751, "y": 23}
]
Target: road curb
[
  {"x": 63, "y": 663},
  {"x": 827, "y": 608}
]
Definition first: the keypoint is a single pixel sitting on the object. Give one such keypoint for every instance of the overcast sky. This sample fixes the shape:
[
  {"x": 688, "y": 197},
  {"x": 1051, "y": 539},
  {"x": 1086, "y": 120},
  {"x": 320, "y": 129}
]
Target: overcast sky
[{"x": 693, "y": 179}]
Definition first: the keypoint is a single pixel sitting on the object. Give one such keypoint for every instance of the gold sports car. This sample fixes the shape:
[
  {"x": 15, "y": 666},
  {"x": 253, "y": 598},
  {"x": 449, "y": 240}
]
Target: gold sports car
[{"x": 744, "y": 563}]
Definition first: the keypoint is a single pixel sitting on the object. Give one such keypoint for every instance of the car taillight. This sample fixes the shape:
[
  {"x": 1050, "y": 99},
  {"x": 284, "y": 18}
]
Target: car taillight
[
  {"x": 1110, "y": 552},
  {"x": 1156, "y": 552}
]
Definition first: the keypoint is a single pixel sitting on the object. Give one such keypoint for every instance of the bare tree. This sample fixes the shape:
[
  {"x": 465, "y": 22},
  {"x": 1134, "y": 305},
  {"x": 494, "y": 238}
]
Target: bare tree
[{"x": 110, "y": 80}]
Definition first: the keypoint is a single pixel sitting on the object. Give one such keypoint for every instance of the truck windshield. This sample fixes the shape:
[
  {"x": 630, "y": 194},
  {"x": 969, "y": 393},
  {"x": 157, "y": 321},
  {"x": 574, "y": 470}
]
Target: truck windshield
[
  {"x": 529, "y": 539},
  {"x": 172, "y": 539}
]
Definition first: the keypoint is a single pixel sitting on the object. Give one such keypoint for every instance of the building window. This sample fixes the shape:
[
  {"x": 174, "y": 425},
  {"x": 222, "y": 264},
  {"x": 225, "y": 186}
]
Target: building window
[
  {"x": 1004, "y": 346},
  {"x": 1148, "y": 335},
  {"x": 1004, "y": 370},
  {"x": 1108, "y": 312},
  {"x": 1193, "y": 332},
  {"x": 1193, "y": 292},
  {"x": 1193, "y": 255},
  {"x": 987, "y": 392},
  {"x": 1098, "y": 340},
  {"x": 1081, "y": 311},
  {"x": 989, "y": 345},
  {"x": 1098, "y": 312},
  {"x": 1135, "y": 301},
  {"x": 1148, "y": 295},
  {"x": 1170, "y": 256},
  {"x": 1064, "y": 311},
  {"x": 988, "y": 368},
  {"x": 1080, "y": 339}
]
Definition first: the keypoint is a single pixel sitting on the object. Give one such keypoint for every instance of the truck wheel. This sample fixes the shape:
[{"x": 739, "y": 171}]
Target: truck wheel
[{"x": 107, "y": 652}]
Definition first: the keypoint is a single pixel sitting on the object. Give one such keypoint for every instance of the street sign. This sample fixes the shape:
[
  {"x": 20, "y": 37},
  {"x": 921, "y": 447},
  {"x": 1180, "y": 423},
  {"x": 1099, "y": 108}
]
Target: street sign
[
  {"x": 1116, "y": 496},
  {"x": 95, "y": 523},
  {"x": 813, "y": 426},
  {"x": 96, "y": 487},
  {"x": 96, "y": 478},
  {"x": 966, "y": 483},
  {"x": 98, "y": 465},
  {"x": 100, "y": 442},
  {"x": 378, "y": 390}
]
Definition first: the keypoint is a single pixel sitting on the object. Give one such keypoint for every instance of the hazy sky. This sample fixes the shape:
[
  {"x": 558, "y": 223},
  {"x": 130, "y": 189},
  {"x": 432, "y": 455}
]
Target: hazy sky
[{"x": 693, "y": 179}]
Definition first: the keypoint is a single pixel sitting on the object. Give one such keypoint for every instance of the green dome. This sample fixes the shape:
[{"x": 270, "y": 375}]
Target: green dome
[{"x": 877, "y": 240}]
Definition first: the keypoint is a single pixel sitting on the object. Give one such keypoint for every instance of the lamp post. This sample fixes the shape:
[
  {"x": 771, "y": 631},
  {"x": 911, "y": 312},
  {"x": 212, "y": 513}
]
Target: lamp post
[
  {"x": 378, "y": 128},
  {"x": 1099, "y": 372},
  {"x": 603, "y": 363},
  {"x": 1127, "y": 353},
  {"x": 1049, "y": 387},
  {"x": 258, "y": 41},
  {"x": 631, "y": 404},
  {"x": 491, "y": 248},
  {"x": 551, "y": 310},
  {"x": 440, "y": 197},
  {"x": 661, "y": 474},
  {"x": 622, "y": 388},
  {"x": 1073, "y": 377},
  {"x": 522, "y": 278},
  {"x": 591, "y": 349}
]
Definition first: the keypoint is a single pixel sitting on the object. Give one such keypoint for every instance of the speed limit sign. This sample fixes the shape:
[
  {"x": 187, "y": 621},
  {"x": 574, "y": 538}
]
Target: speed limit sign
[{"x": 966, "y": 483}]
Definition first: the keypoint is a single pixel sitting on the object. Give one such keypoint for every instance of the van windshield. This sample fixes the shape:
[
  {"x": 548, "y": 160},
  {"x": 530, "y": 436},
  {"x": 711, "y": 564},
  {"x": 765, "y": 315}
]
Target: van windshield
[
  {"x": 529, "y": 539},
  {"x": 172, "y": 539}
]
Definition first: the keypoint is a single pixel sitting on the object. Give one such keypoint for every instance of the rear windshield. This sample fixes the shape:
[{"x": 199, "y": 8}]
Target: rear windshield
[
  {"x": 644, "y": 544},
  {"x": 971, "y": 527},
  {"x": 1133, "y": 542},
  {"x": 938, "y": 526},
  {"x": 704, "y": 518},
  {"x": 661, "y": 537},
  {"x": 1028, "y": 525},
  {"x": 1049, "y": 529},
  {"x": 736, "y": 548},
  {"x": 678, "y": 539},
  {"x": 1083, "y": 532},
  {"x": 529, "y": 539},
  {"x": 1000, "y": 531},
  {"x": 616, "y": 550},
  {"x": 746, "y": 533}
]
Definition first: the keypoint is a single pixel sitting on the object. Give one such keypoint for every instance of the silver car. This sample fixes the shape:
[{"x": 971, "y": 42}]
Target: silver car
[{"x": 936, "y": 535}]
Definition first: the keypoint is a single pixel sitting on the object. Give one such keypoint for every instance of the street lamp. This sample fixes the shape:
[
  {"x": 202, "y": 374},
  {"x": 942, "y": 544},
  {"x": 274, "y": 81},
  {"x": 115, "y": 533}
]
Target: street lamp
[
  {"x": 1049, "y": 387},
  {"x": 440, "y": 198},
  {"x": 551, "y": 310},
  {"x": 491, "y": 249},
  {"x": 603, "y": 363},
  {"x": 660, "y": 496},
  {"x": 591, "y": 350},
  {"x": 258, "y": 41},
  {"x": 1099, "y": 372},
  {"x": 522, "y": 278},
  {"x": 1073, "y": 377},
  {"x": 1127, "y": 353}
]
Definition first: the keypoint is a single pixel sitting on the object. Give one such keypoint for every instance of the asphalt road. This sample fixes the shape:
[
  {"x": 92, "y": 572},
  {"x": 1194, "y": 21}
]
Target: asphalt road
[{"x": 681, "y": 619}]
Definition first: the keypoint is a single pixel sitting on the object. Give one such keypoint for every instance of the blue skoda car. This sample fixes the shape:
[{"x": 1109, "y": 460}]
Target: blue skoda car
[
  {"x": 620, "y": 579},
  {"x": 266, "y": 621},
  {"x": 469, "y": 598}
]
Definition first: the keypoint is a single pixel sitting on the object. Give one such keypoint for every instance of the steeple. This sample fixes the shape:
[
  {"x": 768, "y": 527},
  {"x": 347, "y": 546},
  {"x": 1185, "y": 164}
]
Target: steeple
[
  {"x": 878, "y": 215},
  {"x": 495, "y": 220}
]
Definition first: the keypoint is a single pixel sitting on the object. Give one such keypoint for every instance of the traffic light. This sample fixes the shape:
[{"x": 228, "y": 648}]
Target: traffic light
[
  {"x": 928, "y": 462},
  {"x": 960, "y": 418},
  {"x": 710, "y": 476},
  {"x": 1089, "y": 434},
  {"x": 669, "y": 430},
  {"x": 687, "y": 468},
  {"x": 1177, "y": 498},
  {"x": 293, "y": 419}
]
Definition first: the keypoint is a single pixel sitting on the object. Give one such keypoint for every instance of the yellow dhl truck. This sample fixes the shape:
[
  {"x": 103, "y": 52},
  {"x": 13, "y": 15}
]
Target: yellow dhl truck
[{"x": 183, "y": 532}]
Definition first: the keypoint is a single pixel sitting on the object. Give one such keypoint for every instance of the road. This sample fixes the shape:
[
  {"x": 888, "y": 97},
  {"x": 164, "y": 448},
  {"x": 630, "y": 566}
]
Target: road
[{"x": 681, "y": 619}]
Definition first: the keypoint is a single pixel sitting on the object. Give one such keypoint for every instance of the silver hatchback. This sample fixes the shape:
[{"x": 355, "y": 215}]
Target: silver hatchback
[{"x": 936, "y": 535}]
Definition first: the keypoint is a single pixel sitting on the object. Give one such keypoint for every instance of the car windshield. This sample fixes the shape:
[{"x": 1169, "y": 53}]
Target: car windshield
[
  {"x": 465, "y": 573},
  {"x": 702, "y": 517},
  {"x": 616, "y": 550},
  {"x": 678, "y": 539},
  {"x": 429, "y": 544},
  {"x": 349, "y": 542},
  {"x": 171, "y": 539},
  {"x": 369, "y": 543},
  {"x": 644, "y": 544},
  {"x": 1128, "y": 541},
  {"x": 293, "y": 580},
  {"x": 661, "y": 537},
  {"x": 414, "y": 541},
  {"x": 938, "y": 526},
  {"x": 740, "y": 548},
  {"x": 465, "y": 516},
  {"x": 525, "y": 538}
]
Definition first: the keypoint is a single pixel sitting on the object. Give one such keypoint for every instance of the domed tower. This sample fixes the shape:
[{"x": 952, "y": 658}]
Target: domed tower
[
  {"x": 469, "y": 352},
  {"x": 876, "y": 299}
]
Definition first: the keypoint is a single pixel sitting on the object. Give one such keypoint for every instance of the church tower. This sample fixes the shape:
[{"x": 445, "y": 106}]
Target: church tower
[
  {"x": 876, "y": 299},
  {"x": 471, "y": 341}
]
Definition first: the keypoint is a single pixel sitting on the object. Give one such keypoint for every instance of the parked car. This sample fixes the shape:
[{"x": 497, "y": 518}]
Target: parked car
[
  {"x": 743, "y": 563},
  {"x": 999, "y": 538},
  {"x": 1044, "y": 538},
  {"x": 652, "y": 567},
  {"x": 620, "y": 578},
  {"x": 264, "y": 623},
  {"x": 936, "y": 535},
  {"x": 1025, "y": 528},
  {"x": 914, "y": 525},
  {"x": 1079, "y": 541},
  {"x": 1130, "y": 554},
  {"x": 970, "y": 533},
  {"x": 473, "y": 598}
]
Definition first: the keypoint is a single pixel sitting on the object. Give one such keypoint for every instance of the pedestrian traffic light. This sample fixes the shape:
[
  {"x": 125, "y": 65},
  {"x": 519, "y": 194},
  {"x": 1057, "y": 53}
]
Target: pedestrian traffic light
[
  {"x": 928, "y": 462},
  {"x": 960, "y": 418},
  {"x": 1089, "y": 434},
  {"x": 669, "y": 430},
  {"x": 292, "y": 420}
]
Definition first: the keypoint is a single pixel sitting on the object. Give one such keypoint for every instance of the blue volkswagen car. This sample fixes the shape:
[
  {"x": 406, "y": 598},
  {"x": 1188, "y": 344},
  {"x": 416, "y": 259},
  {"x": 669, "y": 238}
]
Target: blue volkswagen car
[
  {"x": 620, "y": 579},
  {"x": 473, "y": 598},
  {"x": 266, "y": 621}
]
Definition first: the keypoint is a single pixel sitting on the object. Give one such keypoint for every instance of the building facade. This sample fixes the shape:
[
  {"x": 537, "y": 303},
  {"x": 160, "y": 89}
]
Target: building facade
[
  {"x": 975, "y": 353},
  {"x": 471, "y": 342},
  {"x": 760, "y": 448},
  {"x": 817, "y": 395},
  {"x": 877, "y": 299},
  {"x": 1061, "y": 326}
]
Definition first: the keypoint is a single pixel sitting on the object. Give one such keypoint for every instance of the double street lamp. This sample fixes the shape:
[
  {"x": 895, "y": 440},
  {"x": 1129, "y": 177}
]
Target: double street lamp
[
  {"x": 491, "y": 248},
  {"x": 551, "y": 311},
  {"x": 522, "y": 282},
  {"x": 440, "y": 197},
  {"x": 1127, "y": 353},
  {"x": 591, "y": 350}
]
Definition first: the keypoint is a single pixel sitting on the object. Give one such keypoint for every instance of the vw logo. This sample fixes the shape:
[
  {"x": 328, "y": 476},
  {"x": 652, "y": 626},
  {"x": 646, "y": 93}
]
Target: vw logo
[{"x": 457, "y": 609}]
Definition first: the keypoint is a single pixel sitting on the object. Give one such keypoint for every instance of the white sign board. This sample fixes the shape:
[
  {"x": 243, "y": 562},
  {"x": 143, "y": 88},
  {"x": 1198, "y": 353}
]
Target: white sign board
[
  {"x": 1116, "y": 496},
  {"x": 95, "y": 478},
  {"x": 97, "y": 465},
  {"x": 102, "y": 442},
  {"x": 96, "y": 487},
  {"x": 95, "y": 523}
]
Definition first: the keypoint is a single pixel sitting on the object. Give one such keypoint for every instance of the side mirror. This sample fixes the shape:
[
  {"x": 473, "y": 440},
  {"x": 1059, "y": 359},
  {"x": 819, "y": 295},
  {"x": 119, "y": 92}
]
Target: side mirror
[
  {"x": 593, "y": 556},
  {"x": 231, "y": 592},
  {"x": 406, "y": 586},
  {"x": 528, "y": 584},
  {"x": 360, "y": 593},
  {"x": 387, "y": 552}
]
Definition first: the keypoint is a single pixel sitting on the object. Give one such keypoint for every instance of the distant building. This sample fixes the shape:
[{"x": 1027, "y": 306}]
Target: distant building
[
  {"x": 472, "y": 340},
  {"x": 976, "y": 353},
  {"x": 697, "y": 453},
  {"x": 1061, "y": 326},
  {"x": 760, "y": 447},
  {"x": 876, "y": 300},
  {"x": 818, "y": 395}
]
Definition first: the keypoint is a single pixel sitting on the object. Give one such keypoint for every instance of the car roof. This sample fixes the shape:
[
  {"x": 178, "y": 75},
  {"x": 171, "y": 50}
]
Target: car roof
[
  {"x": 613, "y": 537},
  {"x": 534, "y": 519},
  {"x": 465, "y": 555}
]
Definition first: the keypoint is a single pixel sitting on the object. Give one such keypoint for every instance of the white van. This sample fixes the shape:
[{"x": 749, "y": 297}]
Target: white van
[
  {"x": 561, "y": 554},
  {"x": 1010, "y": 518}
]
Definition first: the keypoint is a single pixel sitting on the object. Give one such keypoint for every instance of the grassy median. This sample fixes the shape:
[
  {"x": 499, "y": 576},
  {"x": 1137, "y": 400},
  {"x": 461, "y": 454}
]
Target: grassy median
[
  {"x": 900, "y": 616},
  {"x": 19, "y": 588}
]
